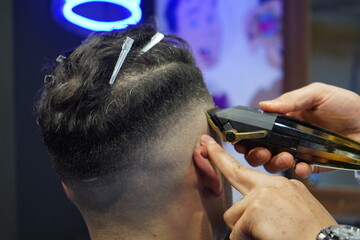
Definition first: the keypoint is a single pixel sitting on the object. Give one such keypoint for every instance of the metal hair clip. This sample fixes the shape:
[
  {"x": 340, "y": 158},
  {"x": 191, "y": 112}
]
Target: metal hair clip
[
  {"x": 154, "y": 40},
  {"x": 124, "y": 52},
  {"x": 60, "y": 58}
]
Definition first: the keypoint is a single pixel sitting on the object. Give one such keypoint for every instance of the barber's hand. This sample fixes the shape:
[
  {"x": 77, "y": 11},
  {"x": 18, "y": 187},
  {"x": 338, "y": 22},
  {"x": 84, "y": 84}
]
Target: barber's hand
[
  {"x": 273, "y": 207},
  {"x": 326, "y": 106}
]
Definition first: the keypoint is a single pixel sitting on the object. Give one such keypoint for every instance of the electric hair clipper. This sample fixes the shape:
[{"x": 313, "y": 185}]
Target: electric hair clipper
[{"x": 279, "y": 133}]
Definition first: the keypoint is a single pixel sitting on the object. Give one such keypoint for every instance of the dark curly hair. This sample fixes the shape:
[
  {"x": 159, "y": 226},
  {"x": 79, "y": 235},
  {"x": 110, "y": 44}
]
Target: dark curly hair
[{"x": 93, "y": 129}]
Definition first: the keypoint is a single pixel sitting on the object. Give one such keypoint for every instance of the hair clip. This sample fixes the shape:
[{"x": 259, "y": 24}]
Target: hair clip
[
  {"x": 48, "y": 79},
  {"x": 60, "y": 58},
  {"x": 154, "y": 40},
  {"x": 124, "y": 52}
]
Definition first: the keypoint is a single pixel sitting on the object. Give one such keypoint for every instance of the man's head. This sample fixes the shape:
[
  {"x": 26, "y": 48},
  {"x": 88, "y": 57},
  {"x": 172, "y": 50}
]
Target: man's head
[{"x": 124, "y": 150}]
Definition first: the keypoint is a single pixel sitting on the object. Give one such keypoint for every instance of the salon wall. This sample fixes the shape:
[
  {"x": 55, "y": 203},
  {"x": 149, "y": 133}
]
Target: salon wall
[
  {"x": 335, "y": 53},
  {"x": 335, "y": 59},
  {"x": 7, "y": 134}
]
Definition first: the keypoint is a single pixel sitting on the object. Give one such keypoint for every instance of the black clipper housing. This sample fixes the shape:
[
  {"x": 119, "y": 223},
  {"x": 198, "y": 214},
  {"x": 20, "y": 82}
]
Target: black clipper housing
[{"x": 278, "y": 133}]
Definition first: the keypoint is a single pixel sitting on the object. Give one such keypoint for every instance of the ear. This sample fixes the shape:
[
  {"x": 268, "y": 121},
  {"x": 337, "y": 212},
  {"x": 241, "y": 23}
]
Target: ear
[
  {"x": 68, "y": 193},
  {"x": 207, "y": 174}
]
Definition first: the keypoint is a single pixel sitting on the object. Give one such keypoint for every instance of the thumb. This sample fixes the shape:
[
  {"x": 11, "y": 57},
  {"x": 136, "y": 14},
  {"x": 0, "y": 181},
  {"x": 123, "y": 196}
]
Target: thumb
[{"x": 301, "y": 99}]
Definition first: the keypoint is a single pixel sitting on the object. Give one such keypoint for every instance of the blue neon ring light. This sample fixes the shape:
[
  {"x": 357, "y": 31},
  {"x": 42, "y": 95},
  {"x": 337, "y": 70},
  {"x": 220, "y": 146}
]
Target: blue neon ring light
[{"x": 132, "y": 5}]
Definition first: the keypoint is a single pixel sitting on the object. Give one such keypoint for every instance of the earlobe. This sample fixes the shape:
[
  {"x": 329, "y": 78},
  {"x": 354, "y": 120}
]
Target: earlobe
[
  {"x": 68, "y": 192},
  {"x": 207, "y": 174}
]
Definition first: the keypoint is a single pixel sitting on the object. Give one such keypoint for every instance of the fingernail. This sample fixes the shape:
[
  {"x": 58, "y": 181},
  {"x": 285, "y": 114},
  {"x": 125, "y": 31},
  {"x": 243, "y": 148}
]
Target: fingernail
[
  {"x": 206, "y": 139},
  {"x": 270, "y": 102}
]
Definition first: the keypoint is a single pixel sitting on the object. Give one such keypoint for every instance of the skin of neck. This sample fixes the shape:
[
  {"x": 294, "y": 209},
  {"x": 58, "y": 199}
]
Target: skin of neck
[{"x": 194, "y": 213}]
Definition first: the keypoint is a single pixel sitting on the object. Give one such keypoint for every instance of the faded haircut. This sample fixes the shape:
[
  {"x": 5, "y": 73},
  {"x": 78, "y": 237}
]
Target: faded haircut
[{"x": 97, "y": 133}]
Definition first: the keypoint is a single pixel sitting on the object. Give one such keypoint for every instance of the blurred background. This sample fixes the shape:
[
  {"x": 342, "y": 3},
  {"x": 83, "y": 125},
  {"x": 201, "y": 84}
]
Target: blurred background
[{"x": 248, "y": 51}]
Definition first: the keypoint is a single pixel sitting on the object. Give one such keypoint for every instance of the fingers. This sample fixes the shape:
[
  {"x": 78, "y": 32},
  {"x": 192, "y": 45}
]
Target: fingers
[
  {"x": 261, "y": 156},
  {"x": 234, "y": 213},
  {"x": 241, "y": 148},
  {"x": 283, "y": 209},
  {"x": 237, "y": 217},
  {"x": 298, "y": 100},
  {"x": 239, "y": 176},
  {"x": 316, "y": 169},
  {"x": 237, "y": 210},
  {"x": 280, "y": 162},
  {"x": 239, "y": 231},
  {"x": 258, "y": 156},
  {"x": 303, "y": 169}
]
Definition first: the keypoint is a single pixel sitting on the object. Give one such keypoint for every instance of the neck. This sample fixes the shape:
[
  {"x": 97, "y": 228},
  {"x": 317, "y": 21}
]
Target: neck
[
  {"x": 183, "y": 218},
  {"x": 196, "y": 228}
]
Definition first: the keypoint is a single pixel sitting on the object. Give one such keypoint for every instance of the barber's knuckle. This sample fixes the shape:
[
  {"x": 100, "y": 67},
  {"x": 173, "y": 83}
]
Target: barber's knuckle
[
  {"x": 227, "y": 215},
  {"x": 257, "y": 206},
  {"x": 266, "y": 191},
  {"x": 265, "y": 194},
  {"x": 228, "y": 218},
  {"x": 319, "y": 85},
  {"x": 298, "y": 184},
  {"x": 281, "y": 181}
]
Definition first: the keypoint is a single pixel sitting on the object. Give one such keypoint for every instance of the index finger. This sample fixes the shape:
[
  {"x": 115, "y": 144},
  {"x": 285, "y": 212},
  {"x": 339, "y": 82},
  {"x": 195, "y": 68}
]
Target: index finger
[{"x": 239, "y": 176}]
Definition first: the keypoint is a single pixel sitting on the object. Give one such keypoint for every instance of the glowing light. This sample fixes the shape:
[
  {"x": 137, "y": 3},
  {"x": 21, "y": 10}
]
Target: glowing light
[{"x": 132, "y": 5}]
